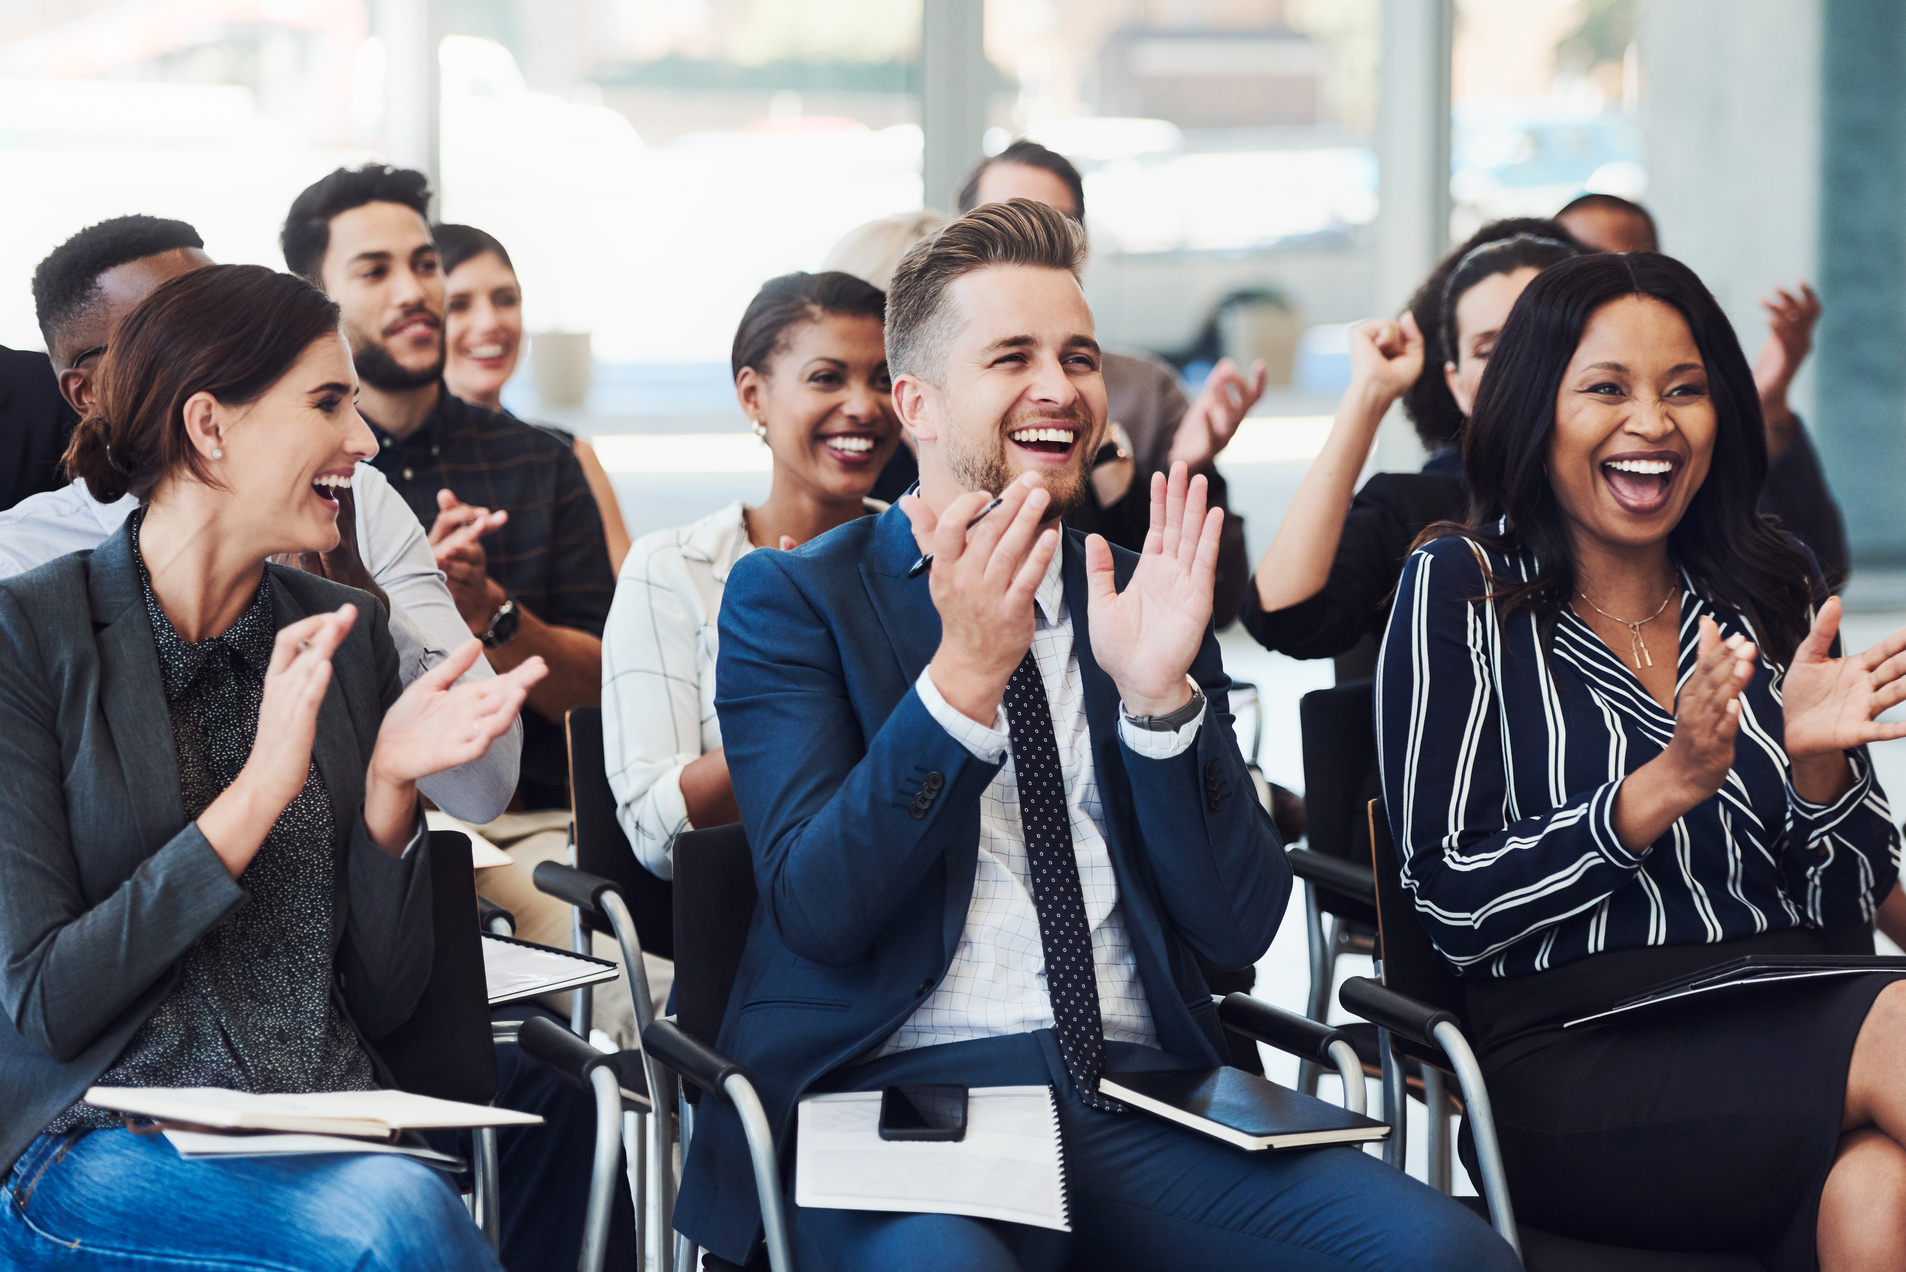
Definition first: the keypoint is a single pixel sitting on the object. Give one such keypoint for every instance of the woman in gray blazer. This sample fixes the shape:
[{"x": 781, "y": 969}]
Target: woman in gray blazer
[{"x": 212, "y": 855}]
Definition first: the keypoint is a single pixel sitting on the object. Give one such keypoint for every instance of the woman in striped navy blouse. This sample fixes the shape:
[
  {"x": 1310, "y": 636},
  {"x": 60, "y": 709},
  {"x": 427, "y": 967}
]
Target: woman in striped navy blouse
[{"x": 1619, "y": 745}]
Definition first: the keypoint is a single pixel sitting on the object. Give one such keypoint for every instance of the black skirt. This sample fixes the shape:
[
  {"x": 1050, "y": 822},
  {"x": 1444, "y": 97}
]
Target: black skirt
[{"x": 1708, "y": 1125}]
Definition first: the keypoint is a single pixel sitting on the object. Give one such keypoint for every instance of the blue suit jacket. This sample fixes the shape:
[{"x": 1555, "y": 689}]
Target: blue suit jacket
[{"x": 866, "y": 868}]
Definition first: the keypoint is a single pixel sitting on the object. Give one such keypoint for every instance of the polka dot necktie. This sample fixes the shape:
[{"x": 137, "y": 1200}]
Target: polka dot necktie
[{"x": 1071, "y": 982}]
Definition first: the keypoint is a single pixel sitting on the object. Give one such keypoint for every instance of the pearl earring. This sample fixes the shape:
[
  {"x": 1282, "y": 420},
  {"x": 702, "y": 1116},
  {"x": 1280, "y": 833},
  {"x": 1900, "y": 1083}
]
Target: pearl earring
[
  {"x": 217, "y": 453},
  {"x": 761, "y": 429}
]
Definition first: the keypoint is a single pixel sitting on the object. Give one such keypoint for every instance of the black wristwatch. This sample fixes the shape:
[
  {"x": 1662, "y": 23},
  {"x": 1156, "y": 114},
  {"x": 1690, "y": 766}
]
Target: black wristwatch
[
  {"x": 1176, "y": 720},
  {"x": 503, "y": 625}
]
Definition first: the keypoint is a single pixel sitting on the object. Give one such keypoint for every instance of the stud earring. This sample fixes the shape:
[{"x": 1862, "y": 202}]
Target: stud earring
[
  {"x": 761, "y": 429},
  {"x": 218, "y": 453}
]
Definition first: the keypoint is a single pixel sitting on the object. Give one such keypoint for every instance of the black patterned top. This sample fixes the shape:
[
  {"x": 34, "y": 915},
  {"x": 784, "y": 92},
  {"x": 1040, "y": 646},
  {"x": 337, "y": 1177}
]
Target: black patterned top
[{"x": 252, "y": 1009}]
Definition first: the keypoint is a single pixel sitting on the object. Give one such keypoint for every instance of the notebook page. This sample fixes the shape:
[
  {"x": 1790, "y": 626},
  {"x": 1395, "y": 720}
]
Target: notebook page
[{"x": 1010, "y": 1165}]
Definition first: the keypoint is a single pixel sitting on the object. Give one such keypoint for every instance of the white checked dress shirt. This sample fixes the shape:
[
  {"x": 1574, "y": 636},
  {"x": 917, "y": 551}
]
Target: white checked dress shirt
[{"x": 997, "y": 981}]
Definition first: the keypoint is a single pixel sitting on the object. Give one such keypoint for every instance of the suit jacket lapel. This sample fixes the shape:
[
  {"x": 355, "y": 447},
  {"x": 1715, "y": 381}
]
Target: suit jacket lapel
[
  {"x": 131, "y": 693},
  {"x": 903, "y": 606},
  {"x": 904, "y": 609}
]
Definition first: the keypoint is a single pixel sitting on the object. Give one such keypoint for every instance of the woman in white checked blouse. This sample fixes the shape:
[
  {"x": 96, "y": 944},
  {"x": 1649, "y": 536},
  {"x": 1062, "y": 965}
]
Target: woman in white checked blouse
[
  {"x": 810, "y": 368},
  {"x": 1620, "y": 745}
]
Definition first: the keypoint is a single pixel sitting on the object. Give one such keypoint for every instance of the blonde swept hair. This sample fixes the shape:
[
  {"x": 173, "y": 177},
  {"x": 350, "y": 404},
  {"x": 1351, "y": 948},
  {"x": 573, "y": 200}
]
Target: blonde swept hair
[{"x": 1016, "y": 232}]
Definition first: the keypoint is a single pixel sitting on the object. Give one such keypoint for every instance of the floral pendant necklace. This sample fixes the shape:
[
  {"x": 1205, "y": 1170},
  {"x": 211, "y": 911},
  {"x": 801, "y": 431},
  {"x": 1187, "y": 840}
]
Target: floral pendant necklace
[{"x": 1638, "y": 648}]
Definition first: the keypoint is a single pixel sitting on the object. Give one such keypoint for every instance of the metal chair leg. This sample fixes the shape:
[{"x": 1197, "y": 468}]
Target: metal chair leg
[
  {"x": 767, "y": 1174},
  {"x": 603, "y": 1177},
  {"x": 1396, "y": 1101},
  {"x": 1482, "y": 1127},
  {"x": 483, "y": 1195},
  {"x": 1437, "y": 1171},
  {"x": 1322, "y": 971}
]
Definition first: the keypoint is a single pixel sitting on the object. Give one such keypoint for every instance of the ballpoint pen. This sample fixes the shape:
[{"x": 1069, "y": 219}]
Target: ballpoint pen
[{"x": 925, "y": 562}]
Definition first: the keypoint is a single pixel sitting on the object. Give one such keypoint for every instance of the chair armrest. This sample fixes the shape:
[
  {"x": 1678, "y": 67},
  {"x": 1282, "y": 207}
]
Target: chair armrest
[
  {"x": 572, "y": 1058},
  {"x": 566, "y": 883},
  {"x": 489, "y": 913},
  {"x": 670, "y": 1044},
  {"x": 1396, "y": 1012},
  {"x": 1275, "y": 1027},
  {"x": 1347, "y": 878}
]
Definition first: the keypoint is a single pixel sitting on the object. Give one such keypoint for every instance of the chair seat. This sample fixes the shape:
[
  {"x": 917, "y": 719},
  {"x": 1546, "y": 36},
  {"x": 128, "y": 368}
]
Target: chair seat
[{"x": 1547, "y": 1252}]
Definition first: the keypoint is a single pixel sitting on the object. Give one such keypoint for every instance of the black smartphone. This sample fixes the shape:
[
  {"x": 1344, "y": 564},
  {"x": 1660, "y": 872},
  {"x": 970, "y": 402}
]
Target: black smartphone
[{"x": 934, "y": 1112}]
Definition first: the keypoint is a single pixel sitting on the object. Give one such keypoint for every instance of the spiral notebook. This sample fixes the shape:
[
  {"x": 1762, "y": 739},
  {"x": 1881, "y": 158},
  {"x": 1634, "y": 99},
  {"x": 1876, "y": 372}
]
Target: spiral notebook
[{"x": 1009, "y": 1166}]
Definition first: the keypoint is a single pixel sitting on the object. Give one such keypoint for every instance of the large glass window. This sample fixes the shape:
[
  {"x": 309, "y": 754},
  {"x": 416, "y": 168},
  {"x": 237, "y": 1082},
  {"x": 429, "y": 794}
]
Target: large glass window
[{"x": 1547, "y": 106}]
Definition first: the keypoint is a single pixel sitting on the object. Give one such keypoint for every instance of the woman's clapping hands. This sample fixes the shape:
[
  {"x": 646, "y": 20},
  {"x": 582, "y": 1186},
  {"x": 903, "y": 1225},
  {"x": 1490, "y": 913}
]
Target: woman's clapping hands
[{"x": 1832, "y": 704}]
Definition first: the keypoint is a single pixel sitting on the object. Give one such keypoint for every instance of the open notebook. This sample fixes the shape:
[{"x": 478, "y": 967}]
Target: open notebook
[
  {"x": 1008, "y": 1166},
  {"x": 364, "y": 1114}
]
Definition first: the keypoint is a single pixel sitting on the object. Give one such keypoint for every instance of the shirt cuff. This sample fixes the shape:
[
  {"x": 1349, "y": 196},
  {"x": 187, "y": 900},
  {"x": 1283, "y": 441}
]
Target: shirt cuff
[
  {"x": 1156, "y": 745},
  {"x": 987, "y": 745}
]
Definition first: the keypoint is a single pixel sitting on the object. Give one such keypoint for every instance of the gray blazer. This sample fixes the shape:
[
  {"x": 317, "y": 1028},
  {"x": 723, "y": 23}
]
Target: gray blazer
[{"x": 103, "y": 883}]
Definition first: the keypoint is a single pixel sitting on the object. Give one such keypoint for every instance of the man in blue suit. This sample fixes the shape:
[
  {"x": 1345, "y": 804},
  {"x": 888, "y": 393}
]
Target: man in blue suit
[{"x": 996, "y": 809}]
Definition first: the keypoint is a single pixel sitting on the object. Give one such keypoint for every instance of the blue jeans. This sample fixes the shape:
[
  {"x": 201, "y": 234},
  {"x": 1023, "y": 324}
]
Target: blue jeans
[
  {"x": 1145, "y": 1194},
  {"x": 129, "y": 1203}
]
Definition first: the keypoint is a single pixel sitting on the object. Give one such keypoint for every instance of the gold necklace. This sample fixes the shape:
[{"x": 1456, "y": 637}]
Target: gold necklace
[{"x": 1637, "y": 647}]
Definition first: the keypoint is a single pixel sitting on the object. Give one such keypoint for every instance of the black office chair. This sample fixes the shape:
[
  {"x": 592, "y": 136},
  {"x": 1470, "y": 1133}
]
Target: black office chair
[
  {"x": 714, "y": 907},
  {"x": 445, "y": 1048},
  {"x": 1340, "y": 779},
  {"x": 598, "y": 847},
  {"x": 1419, "y": 1003}
]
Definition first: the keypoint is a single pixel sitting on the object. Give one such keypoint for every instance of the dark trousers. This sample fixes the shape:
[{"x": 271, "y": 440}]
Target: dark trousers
[{"x": 1148, "y": 1195}]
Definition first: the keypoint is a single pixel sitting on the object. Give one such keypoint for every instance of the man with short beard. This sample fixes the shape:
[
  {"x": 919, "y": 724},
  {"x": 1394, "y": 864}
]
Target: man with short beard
[
  {"x": 996, "y": 806},
  {"x": 512, "y": 521}
]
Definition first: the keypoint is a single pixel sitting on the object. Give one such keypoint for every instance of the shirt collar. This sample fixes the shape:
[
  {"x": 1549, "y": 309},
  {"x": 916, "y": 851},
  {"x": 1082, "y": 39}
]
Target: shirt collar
[
  {"x": 249, "y": 639},
  {"x": 434, "y": 423},
  {"x": 1050, "y": 598}
]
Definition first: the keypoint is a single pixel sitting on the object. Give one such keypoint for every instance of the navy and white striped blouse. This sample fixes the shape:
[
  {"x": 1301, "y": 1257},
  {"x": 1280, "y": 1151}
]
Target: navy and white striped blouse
[{"x": 1501, "y": 760}]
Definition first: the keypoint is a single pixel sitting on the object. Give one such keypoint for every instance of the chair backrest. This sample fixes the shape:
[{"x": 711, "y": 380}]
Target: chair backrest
[
  {"x": 1340, "y": 778},
  {"x": 714, "y": 906},
  {"x": 445, "y": 1048},
  {"x": 602, "y": 848},
  {"x": 1411, "y": 964}
]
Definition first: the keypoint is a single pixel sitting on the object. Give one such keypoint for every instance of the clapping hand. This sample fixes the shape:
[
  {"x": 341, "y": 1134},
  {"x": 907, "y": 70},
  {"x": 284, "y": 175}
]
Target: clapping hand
[
  {"x": 1707, "y": 711},
  {"x": 1146, "y": 636},
  {"x": 1830, "y": 704},
  {"x": 295, "y": 683},
  {"x": 1212, "y": 420},
  {"x": 1790, "y": 323},
  {"x": 439, "y": 724},
  {"x": 983, "y": 582},
  {"x": 455, "y": 542}
]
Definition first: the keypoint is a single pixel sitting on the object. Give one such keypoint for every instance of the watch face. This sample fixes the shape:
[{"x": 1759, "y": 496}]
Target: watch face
[{"x": 503, "y": 626}]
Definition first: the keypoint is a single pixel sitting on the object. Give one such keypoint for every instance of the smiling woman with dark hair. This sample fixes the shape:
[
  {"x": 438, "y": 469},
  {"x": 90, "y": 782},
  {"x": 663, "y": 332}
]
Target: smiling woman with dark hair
[
  {"x": 810, "y": 368},
  {"x": 214, "y": 870},
  {"x": 1619, "y": 745}
]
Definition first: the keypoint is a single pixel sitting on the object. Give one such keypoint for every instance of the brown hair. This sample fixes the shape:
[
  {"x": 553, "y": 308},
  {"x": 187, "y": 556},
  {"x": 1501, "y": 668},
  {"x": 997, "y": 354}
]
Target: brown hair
[
  {"x": 1016, "y": 232},
  {"x": 229, "y": 330}
]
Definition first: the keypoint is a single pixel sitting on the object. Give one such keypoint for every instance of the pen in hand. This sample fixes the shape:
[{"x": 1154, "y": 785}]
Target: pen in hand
[{"x": 926, "y": 561}]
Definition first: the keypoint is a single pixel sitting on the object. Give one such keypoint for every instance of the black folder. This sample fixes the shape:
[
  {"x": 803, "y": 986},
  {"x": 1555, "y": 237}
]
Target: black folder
[
  {"x": 1749, "y": 970},
  {"x": 1241, "y": 1108}
]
